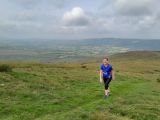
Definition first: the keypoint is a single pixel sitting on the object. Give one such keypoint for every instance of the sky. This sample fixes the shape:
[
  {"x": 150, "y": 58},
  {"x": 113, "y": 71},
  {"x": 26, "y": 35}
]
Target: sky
[{"x": 78, "y": 19}]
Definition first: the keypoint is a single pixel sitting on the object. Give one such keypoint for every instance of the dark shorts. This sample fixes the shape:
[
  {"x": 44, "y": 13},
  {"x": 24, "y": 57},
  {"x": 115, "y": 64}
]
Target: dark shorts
[{"x": 106, "y": 82}]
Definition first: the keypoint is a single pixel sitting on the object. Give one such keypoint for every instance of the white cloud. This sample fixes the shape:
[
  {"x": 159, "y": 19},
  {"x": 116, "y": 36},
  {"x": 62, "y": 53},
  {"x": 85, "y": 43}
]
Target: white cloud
[{"x": 75, "y": 17}]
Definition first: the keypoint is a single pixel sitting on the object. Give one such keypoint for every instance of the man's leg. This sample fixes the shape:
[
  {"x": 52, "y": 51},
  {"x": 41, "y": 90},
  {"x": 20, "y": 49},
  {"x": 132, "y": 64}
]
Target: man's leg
[
  {"x": 107, "y": 87},
  {"x": 106, "y": 92}
]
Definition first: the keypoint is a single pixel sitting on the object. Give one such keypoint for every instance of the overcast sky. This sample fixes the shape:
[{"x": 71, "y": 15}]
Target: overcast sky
[{"x": 76, "y": 19}]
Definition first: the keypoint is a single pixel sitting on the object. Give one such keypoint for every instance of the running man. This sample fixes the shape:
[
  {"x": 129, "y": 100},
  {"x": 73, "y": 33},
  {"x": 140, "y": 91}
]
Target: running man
[{"x": 106, "y": 75}]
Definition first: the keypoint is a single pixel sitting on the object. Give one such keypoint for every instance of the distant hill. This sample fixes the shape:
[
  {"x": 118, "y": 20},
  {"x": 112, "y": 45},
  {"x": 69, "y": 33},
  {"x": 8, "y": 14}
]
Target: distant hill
[
  {"x": 71, "y": 50},
  {"x": 135, "y": 55},
  {"x": 132, "y": 44}
]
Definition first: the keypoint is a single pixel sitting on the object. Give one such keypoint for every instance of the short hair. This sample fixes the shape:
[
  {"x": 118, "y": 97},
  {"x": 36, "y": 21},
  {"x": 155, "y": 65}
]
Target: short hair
[{"x": 106, "y": 58}]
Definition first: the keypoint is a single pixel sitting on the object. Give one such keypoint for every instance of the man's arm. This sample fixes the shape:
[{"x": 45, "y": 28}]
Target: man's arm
[
  {"x": 101, "y": 76},
  {"x": 113, "y": 74}
]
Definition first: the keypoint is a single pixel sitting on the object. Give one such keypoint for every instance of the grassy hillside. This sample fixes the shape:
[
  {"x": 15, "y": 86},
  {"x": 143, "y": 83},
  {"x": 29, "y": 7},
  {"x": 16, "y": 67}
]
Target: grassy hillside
[{"x": 35, "y": 91}]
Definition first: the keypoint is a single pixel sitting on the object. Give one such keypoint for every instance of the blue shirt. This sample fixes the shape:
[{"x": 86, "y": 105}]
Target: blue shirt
[{"x": 107, "y": 70}]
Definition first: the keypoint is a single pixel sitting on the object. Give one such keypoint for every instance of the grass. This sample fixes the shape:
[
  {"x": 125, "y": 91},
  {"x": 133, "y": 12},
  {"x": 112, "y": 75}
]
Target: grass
[
  {"x": 5, "y": 68},
  {"x": 36, "y": 91}
]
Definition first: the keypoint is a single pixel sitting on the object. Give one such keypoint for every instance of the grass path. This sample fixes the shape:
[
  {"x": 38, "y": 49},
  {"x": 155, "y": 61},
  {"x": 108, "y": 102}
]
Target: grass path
[{"x": 100, "y": 105}]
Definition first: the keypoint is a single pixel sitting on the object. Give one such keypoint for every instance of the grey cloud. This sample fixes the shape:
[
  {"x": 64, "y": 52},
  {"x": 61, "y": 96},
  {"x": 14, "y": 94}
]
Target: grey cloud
[
  {"x": 6, "y": 26},
  {"x": 134, "y": 7},
  {"x": 123, "y": 18},
  {"x": 32, "y": 3},
  {"x": 27, "y": 3},
  {"x": 81, "y": 21}
]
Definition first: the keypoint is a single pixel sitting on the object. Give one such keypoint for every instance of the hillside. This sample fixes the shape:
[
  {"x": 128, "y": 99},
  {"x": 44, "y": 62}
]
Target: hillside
[{"x": 71, "y": 91}]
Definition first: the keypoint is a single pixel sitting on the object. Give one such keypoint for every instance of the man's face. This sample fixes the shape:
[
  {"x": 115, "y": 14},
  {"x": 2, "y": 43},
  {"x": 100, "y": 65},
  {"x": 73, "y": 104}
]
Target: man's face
[{"x": 105, "y": 61}]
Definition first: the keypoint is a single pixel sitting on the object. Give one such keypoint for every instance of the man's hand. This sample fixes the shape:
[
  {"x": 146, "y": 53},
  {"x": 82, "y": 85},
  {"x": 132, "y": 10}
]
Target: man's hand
[
  {"x": 101, "y": 76},
  {"x": 101, "y": 81}
]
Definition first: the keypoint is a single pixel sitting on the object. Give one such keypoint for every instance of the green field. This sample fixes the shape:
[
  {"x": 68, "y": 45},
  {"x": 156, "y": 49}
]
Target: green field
[{"x": 72, "y": 91}]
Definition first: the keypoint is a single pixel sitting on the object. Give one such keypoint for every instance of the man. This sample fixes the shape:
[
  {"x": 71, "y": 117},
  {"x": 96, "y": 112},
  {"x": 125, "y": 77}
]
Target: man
[{"x": 106, "y": 75}]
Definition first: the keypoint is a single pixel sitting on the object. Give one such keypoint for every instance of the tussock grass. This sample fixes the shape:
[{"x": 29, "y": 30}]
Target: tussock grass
[{"x": 5, "y": 68}]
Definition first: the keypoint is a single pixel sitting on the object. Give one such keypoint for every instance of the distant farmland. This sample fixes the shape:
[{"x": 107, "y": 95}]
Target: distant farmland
[{"x": 70, "y": 50}]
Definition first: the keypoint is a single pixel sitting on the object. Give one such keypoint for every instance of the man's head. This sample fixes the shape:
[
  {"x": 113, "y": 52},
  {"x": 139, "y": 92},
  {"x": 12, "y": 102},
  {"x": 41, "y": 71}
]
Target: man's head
[{"x": 105, "y": 60}]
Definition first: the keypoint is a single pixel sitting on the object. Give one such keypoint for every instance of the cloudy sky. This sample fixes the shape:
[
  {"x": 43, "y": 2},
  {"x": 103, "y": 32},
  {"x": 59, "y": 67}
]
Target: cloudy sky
[{"x": 76, "y": 19}]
